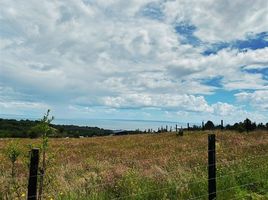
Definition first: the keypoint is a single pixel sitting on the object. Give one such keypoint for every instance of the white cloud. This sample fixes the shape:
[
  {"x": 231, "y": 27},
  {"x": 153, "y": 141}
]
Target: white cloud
[
  {"x": 22, "y": 105},
  {"x": 259, "y": 99},
  {"x": 224, "y": 109},
  {"x": 175, "y": 102},
  {"x": 224, "y": 20},
  {"x": 106, "y": 53}
]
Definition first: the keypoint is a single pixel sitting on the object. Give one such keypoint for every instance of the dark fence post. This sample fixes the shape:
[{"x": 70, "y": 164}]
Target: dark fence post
[
  {"x": 32, "y": 184},
  {"x": 176, "y": 128},
  {"x": 211, "y": 167},
  {"x": 221, "y": 124},
  {"x": 181, "y": 131},
  {"x": 188, "y": 126},
  {"x": 203, "y": 126},
  {"x": 247, "y": 124}
]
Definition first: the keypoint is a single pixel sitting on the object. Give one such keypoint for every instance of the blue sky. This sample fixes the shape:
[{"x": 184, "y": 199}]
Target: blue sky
[{"x": 181, "y": 60}]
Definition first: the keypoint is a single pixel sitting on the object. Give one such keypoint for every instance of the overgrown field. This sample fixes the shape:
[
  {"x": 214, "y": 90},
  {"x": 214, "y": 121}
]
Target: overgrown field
[{"x": 152, "y": 166}]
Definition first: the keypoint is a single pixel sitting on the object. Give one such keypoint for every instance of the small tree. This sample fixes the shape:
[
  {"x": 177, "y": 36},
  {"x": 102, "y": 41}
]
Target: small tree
[
  {"x": 43, "y": 128},
  {"x": 248, "y": 125},
  {"x": 13, "y": 152},
  {"x": 209, "y": 125}
]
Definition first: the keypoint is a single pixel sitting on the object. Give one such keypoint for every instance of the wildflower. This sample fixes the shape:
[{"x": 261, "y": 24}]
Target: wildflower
[{"x": 23, "y": 194}]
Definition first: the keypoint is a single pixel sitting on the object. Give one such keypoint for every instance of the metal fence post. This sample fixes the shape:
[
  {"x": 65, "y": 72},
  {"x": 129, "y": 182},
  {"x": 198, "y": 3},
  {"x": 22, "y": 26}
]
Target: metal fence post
[
  {"x": 211, "y": 167},
  {"x": 32, "y": 184}
]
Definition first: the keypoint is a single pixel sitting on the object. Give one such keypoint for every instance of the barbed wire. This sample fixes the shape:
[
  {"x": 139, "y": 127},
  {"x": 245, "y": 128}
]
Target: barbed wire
[
  {"x": 167, "y": 188},
  {"x": 172, "y": 158},
  {"x": 189, "y": 182},
  {"x": 245, "y": 195},
  {"x": 227, "y": 189},
  {"x": 194, "y": 198},
  {"x": 188, "y": 167},
  {"x": 194, "y": 152},
  {"x": 219, "y": 152}
]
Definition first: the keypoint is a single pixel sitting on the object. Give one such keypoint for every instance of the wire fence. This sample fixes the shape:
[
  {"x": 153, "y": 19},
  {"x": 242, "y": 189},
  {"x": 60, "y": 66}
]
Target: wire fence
[{"x": 230, "y": 166}]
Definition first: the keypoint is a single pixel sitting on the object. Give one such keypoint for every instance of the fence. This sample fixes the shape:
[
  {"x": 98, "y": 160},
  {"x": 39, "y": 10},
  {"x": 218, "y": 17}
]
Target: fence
[{"x": 213, "y": 180}]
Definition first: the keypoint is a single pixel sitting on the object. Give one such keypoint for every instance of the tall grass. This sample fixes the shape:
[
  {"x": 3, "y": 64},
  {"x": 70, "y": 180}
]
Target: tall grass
[{"x": 138, "y": 167}]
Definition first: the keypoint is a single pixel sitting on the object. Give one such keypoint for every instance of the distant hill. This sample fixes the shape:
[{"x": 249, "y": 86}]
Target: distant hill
[{"x": 22, "y": 128}]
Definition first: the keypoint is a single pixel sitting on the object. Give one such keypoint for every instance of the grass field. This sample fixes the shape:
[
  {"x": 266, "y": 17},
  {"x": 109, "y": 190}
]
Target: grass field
[{"x": 152, "y": 166}]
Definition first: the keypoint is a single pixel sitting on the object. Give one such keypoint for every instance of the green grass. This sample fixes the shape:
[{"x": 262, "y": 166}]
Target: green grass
[{"x": 139, "y": 167}]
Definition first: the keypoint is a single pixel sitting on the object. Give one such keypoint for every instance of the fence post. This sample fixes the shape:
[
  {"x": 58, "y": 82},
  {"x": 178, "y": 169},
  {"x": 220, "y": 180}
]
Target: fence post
[
  {"x": 188, "y": 126},
  {"x": 247, "y": 124},
  {"x": 211, "y": 167},
  {"x": 32, "y": 184},
  {"x": 221, "y": 124}
]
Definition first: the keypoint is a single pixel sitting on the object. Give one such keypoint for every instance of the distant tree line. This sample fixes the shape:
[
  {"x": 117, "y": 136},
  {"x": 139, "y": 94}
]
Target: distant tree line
[
  {"x": 29, "y": 128},
  {"x": 246, "y": 125}
]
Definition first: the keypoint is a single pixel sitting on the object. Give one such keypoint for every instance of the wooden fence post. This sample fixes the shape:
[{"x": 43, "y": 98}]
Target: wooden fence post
[
  {"x": 221, "y": 124},
  {"x": 247, "y": 125},
  {"x": 188, "y": 126},
  {"x": 211, "y": 167},
  {"x": 32, "y": 184}
]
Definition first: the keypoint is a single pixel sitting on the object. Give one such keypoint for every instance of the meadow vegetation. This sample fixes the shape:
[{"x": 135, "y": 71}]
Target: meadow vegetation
[{"x": 148, "y": 166}]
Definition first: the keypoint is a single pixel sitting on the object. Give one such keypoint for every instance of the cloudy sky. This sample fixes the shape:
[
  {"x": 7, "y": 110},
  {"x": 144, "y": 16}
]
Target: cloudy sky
[{"x": 184, "y": 60}]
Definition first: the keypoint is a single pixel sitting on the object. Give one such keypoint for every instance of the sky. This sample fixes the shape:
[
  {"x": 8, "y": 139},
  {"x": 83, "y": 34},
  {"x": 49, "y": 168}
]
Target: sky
[{"x": 165, "y": 60}]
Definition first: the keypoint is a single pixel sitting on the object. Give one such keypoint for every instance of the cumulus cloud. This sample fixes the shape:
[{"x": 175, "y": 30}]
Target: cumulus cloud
[
  {"x": 221, "y": 21},
  {"x": 127, "y": 54},
  {"x": 184, "y": 102},
  {"x": 259, "y": 99}
]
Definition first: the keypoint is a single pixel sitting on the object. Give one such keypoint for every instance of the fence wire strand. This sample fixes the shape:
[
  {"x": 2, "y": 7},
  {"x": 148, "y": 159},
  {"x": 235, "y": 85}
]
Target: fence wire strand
[{"x": 220, "y": 152}]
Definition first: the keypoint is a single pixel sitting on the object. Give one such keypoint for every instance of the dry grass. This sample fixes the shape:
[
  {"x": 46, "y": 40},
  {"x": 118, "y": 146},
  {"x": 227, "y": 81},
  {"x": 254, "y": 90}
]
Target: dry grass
[{"x": 92, "y": 166}]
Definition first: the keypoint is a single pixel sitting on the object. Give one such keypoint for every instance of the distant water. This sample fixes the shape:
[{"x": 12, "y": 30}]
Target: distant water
[
  {"x": 120, "y": 124},
  {"x": 113, "y": 124}
]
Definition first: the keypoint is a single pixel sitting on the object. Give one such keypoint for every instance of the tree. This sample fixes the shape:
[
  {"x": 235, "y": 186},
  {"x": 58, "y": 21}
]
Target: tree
[
  {"x": 209, "y": 125},
  {"x": 34, "y": 132},
  {"x": 44, "y": 129},
  {"x": 248, "y": 125},
  {"x": 13, "y": 151}
]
